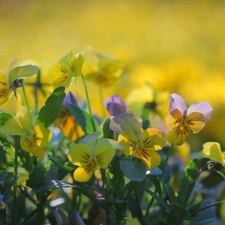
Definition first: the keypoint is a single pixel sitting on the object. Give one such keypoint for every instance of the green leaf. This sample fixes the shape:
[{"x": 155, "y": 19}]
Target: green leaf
[
  {"x": 171, "y": 193},
  {"x": 68, "y": 168},
  {"x": 179, "y": 210},
  {"x": 84, "y": 119},
  {"x": 133, "y": 168},
  {"x": 4, "y": 117},
  {"x": 129, "y": 189},
  {"x": 157, "y": 198},
  {"x": 117, "y": 182},
  {"x": 22, "y": 71},
  {"x": 157, "y": 185},
  {"x": 107, "y": 132},
  {"x": 188, "y": 182},
  {"x": 53, "y": 107},
  {"x": 10, "y": 185},
  {"x": 37, "y": 177}
]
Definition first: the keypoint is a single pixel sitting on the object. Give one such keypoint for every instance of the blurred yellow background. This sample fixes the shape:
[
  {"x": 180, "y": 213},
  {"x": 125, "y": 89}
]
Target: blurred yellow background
[{"x": 178, "y": 46}]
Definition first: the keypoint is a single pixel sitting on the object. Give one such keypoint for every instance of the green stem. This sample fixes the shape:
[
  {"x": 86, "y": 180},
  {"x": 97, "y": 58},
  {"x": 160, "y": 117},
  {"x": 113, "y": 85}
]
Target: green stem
[
  {"x": 166, "y": 160},
  {"x": 27, "y": 104},
  {"x": 105, "y": 185},
  {"x": 160, "y": 178},
  {"x": 86, "y": 93},
  {"x": 14, "y": 205},
  {"x": 101, "y": 101}
]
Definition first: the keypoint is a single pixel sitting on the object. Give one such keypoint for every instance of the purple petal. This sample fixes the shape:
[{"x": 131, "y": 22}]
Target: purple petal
[
  {"x": 203, "y": 108},
  {"x": 115, "y": 105},
  {"x": 1, "y": 197},
  {"x": 177, "y": 102},
  {"x": 75, "y": 219},
  {"x": 69, "y": 99}
]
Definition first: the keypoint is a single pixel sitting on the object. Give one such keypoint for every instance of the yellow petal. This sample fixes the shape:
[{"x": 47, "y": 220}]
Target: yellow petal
[
  {"x": 129, "y": 145},
  {"x": 69, "y": 126},
  {"x": 150, "y": 157},
  {"x": 173, "y": 118},
  {"x": 195, "y": 121},
  {"x": 176, "y": 139},
  {"x": 13, "y": 127},
  {"x": 81, "y": 175},
  {"x": 213, "y": 151},
  {"x": 5, "y": 89},
  {"x": 42, "y": 135},
  {"x": 28, "y": 145},
  {"x": 80, "y": 155},
  {"x": 153, "y": 139},
  {"x": 104, "y": 153}
]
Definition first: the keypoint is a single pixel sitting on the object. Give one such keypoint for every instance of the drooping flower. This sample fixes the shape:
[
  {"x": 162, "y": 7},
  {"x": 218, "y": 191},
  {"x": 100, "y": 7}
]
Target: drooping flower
[
  {"x": 66, "y": 122},
  {"x": 32, "y": 139},
  {"x": 137, "y": 142},
  {"x": 212, "y": 150},
  {"x": 12, "y": 80},
  {"x": 115, "y": 105},
  {"x": 68, "y": 68},
  {"x": 103, "y": 70},
  {"x": 91, "y": 153},
  {"x": 183, "y": 122}
]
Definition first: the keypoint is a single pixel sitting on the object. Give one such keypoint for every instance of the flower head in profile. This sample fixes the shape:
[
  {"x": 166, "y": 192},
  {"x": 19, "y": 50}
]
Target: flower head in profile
[
  {"x": 66, "y": 122},
  {"x": 183, "y": 122},
  {"x": 115, "y": 105},
  {"x": 212, "y": 150},
  {"x": 10, "y": 81},
  {"x": 103, "y": 70},
  {"x": 68, "y": 68},
  {"x": 91, "y": 153},
  {"x": 137, "y": 142},
  {"x": 32, "y": 139}
]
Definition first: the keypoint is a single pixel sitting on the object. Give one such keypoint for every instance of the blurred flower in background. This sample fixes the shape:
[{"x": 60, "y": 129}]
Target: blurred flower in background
[{"x": 177, "y": 46}]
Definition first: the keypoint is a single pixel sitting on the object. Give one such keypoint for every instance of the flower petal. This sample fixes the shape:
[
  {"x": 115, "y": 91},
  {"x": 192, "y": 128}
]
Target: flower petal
[
  {"x": 195, "y": 121},
  {"x": 42, "y": 135},
  {"x": 177, "y": 139},
  {"x": 213, "y": 151},
  {"x": 177, "y": 102},
  {"x": 91, "y": 140},
  {"x": 173, "y": 118},
  {"x": 153, "y": 138},
  {"x": 115, "y": 105},
  {"x": 128, "y": 145},
  {"x": 80, "y": 155},
  {"x": 128, "y": 124},
  {"x": 104, "y": 153},
  {"x": 203, "y": 108},
  {"x": 81, "y": 175}
]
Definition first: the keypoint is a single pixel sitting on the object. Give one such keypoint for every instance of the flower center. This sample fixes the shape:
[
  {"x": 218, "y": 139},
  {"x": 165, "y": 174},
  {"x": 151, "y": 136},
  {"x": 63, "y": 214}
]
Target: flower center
[
  {"x": 91, "y": 166},
  {"x": 142, "y": 153}
]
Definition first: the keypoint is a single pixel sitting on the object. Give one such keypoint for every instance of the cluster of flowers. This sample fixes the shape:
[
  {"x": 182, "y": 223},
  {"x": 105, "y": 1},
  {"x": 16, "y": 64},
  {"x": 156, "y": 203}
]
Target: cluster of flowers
[{"x": 94, "y": 151}]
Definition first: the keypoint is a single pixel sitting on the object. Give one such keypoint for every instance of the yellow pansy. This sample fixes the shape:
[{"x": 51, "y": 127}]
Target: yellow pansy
[
  {"x": 31, "y": 139},
  {"x": 183, "y": 122},
  {"x": 103, "y": 70},
  {"x": 68, "y": 68},
  {"x": 137, "y": 142},
  {"x": 66, "y": 122},
  {"x": 212, "y": 150},
  {"x": 91, "y": 153}
]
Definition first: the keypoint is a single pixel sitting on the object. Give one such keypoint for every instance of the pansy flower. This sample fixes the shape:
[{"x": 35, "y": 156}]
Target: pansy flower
[
  {"x": 103, "y": 70},
  {"x": 69, "y": 127},
  {"x": 183, "y": 122},
  {"x": 91, "y": 153},
  {"x": 137, "y": 142},
  {"x": 32, "y": 139},
  {"x": 68, "y": 68},
  {"x": 212, "y": 150},
  {"x": 10, "y": 81},
  {"x": 115, "y": 105}
]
